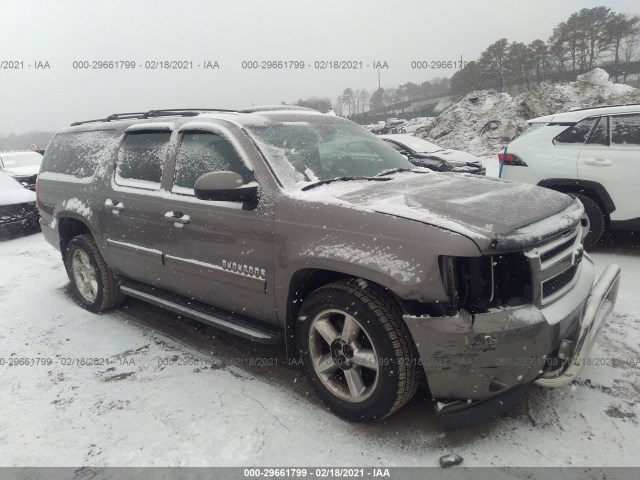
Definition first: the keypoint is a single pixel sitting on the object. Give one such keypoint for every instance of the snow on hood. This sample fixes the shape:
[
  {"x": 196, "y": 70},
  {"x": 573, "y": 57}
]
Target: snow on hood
[
  {"x": 482, "y": 122},
  {"x": 19, "y": 195},
  {"x": 475, "y": 206},
  {"x": 27, "y": 171},
  {"x": 456, "y": 156}
]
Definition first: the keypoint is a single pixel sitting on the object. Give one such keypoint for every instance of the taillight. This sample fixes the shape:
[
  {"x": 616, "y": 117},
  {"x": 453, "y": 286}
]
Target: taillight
[{"x": 510, "y": 159}]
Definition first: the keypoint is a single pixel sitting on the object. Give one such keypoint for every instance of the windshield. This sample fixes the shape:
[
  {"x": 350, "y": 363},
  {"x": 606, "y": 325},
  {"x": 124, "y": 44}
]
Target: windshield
[
  {"x": 419, "y": 145},
  {"x": 322, "y": 148},
  {"x": 27, "y": 159},
  {"x": 8, "y": 183}
]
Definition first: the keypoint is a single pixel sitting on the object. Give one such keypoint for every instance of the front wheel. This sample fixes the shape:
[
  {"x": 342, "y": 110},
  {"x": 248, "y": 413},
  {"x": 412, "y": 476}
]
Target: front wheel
[
  {"x": 357, "y": 352},
  {"x": 597, "y": 222},
  {"x": 93, "y": 283}
]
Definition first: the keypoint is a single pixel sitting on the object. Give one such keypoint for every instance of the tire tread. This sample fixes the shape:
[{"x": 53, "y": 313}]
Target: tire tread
[
  {"x": 111, "y": 294},
  {"x": 389, "y": 314}
]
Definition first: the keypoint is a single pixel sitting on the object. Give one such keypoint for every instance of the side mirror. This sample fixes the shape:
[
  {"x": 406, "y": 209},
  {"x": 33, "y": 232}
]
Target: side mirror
[{"x": 225, "y": 186}]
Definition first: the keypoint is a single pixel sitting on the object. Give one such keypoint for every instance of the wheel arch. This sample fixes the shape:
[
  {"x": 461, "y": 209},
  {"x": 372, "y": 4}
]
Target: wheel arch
[
  {"x": 593, "y": 190},
  {"x": 70, "y": 226},
  {"x": 306, "y": 280}
]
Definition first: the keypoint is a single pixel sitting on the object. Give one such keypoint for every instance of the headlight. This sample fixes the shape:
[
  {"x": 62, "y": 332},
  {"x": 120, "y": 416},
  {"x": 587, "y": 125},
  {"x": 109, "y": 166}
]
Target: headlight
[{"x": 479, "y": 283}]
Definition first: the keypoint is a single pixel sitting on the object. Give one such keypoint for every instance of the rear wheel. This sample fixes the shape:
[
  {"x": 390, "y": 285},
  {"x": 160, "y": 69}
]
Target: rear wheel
[
  {"x": 597, "y": 221},
  {"x": 93, "y": 283},
  {"x": 357, "y": 352}
]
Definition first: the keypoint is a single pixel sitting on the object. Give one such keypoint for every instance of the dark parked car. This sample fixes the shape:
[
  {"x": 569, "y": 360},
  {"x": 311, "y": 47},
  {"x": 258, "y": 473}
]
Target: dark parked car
[
  {"x": 23, "y": 166},
  {"x": 17, "y": 206},
  {"x": 429, "y": 155}
]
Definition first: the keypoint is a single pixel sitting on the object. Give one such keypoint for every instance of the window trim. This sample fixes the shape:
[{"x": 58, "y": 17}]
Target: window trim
[
  {"x": 621, "y": 145},
  {"x": 163, "y": 161},
  {"x": 560, "y": 144},
  {"x": 114, "y": 143},
  {"x": 189, "y": 192},
  {"x": 588, "y": 140}
]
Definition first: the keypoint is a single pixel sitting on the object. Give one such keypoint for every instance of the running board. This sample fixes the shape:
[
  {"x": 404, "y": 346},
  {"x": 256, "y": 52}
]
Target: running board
[{"x": 229, "y": 322}]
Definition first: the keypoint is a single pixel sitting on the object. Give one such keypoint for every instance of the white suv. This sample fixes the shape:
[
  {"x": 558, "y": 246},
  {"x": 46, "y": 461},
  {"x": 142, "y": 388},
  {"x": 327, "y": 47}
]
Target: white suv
[{"x": 591, "y": 153}]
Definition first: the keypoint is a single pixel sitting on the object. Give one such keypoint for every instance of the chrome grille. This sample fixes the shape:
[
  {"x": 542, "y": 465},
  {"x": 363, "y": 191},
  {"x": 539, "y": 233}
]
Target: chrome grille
[
  {"x": 555, "y": 265},
  {"x": 558, "y": 282},
  {"x": 557, "y": 250}
]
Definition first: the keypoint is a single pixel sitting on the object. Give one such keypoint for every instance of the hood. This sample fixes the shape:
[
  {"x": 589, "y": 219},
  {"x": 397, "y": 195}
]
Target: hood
[
  {"x": 483, "y": 209},
  {"x": 19, "y": 195},
  {"x": 23, "y": 171},
  {"x": 456, "y": 156}
]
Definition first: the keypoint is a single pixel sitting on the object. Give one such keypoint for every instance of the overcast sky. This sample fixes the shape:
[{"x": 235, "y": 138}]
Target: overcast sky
[{"x": 230, "y": 31}]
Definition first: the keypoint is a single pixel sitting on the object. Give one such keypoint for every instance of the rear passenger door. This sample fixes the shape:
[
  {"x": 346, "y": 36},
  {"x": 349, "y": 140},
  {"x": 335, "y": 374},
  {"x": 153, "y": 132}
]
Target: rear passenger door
[
  {"x": 217, "y": 252},
  {"x": 133, "y": 209},
  {"x": 611, "y": 157}
]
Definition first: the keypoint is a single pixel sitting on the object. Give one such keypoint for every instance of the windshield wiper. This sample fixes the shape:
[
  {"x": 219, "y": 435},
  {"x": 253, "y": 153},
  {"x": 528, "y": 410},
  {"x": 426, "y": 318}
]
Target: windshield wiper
[
  {"x": 391, "y": 171},
  {"x": 342, "y": 179}
]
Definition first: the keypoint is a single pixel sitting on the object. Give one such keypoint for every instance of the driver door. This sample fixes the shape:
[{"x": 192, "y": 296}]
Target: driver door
[{"x": 217, "y": 252}]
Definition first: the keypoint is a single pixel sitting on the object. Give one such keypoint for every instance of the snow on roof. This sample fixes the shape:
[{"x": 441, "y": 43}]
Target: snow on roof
[
  {"x": 18, "y": 154},
  {"x": 150, "y": 126},
  {"x": 579, "y": 114}
]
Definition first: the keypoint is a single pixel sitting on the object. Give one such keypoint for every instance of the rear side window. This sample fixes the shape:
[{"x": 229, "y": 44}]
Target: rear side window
[
  {"x": 577, "y": 134},
  {"x": 78, "y": 154},
  {"x": 625, "y": 130},
  {"x": 203, "y": 152},
  {"x": 600, "y": 134},
  {"x": 141, "y": 158}
]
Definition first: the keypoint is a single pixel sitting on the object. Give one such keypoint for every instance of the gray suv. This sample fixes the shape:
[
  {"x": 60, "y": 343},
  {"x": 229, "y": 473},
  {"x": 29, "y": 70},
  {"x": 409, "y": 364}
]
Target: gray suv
[{"x": 281, "y": 224}]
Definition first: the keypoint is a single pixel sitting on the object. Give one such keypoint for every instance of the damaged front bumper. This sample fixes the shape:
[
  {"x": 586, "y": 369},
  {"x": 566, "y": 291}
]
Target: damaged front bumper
[{"x": 469, "y": 359}]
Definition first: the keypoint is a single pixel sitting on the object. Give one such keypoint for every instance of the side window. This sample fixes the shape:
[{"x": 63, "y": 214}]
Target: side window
[
  {"x": 78, "y": 154},
  {"x": 577, "y": 134},
  {"x": 141, "y": 158},
  {"x": 203, "y": 152},
  {"x": 600, "y": 134},
  {"x": 625, "y": 130}
]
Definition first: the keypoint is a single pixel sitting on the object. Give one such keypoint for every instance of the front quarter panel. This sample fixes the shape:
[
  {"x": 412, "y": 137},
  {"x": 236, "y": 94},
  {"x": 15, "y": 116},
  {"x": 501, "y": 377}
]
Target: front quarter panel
[{"x": 399, "y": 254}]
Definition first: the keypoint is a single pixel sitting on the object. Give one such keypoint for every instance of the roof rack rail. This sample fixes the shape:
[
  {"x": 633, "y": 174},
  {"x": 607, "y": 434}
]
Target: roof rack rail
[
  {"x": 604, "y": 106},
  {"x": 183, "y": 112}
]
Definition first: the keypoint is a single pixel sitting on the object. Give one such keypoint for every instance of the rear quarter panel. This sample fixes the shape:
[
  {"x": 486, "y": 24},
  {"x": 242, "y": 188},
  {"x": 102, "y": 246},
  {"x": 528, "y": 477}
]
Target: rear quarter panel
[{"x": 543, "y": 158}]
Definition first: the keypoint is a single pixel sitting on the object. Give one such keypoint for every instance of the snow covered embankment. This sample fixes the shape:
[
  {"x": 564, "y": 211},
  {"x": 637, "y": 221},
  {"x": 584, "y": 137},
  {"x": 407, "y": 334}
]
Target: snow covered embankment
[{"x": 482, "y": 122}]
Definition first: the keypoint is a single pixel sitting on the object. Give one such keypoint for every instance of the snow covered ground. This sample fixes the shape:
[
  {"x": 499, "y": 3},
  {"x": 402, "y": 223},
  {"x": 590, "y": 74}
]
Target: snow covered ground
[{"x": 176, "y": 393}]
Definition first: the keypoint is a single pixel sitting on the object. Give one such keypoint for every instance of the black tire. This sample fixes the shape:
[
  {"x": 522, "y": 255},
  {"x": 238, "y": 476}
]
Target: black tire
[
  {"x": 597, "y": 220},
  {"x": 380, "y": 318},
  {"x": 107, "y": 292}
]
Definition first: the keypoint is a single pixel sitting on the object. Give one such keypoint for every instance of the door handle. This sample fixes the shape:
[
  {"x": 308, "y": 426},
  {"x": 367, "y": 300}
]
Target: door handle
[
  {"x": 178, "y": 218},
  {"x": 598, "y": 162},
  {"x": 115, "y": 208}
]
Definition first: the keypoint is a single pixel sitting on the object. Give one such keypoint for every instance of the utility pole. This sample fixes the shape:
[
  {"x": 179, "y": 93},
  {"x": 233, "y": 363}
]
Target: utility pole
[{"x": 378, "y": 79}]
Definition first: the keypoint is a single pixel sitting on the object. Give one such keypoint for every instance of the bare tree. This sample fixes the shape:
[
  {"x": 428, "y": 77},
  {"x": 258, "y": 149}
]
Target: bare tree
[
  {"x": 338, "y": 106},
  {"x": 348, "y": 99},
  {"x": 630, "y": 50},
  {"x": 617, "y": 29},
  {"x": 377, "y": 99},
  {"x": 363, "y": 98}
]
